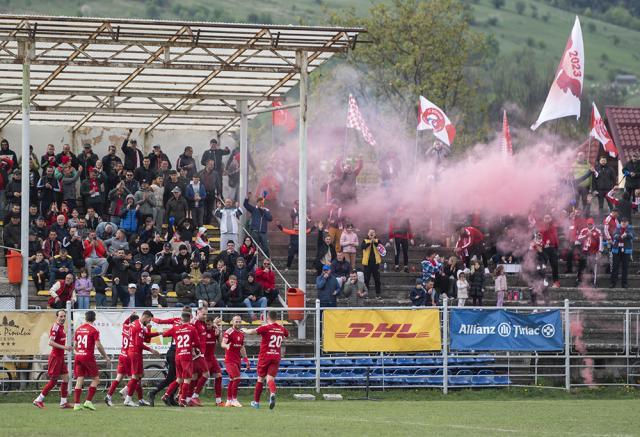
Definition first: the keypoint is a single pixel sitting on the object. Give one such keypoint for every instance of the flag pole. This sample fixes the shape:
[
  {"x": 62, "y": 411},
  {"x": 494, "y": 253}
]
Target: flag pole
[{"x": 415, "y": 157}]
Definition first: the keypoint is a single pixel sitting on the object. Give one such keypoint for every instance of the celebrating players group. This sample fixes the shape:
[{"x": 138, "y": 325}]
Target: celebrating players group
[{"x": 191, "y": 359}]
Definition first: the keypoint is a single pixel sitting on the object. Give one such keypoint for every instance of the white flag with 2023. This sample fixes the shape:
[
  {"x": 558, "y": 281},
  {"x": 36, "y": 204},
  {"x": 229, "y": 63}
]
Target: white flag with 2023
[{"x": 563, "y": 99}]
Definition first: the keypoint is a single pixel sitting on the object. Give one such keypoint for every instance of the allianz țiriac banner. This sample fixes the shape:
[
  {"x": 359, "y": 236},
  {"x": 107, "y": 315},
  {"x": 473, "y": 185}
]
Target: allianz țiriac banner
[{"x": 501, "y": 330}]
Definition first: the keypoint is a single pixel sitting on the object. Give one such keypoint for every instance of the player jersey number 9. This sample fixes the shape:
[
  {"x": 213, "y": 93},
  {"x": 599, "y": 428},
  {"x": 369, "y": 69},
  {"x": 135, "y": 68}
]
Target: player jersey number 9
[
  {"x": 275, "y": 341},
  {"x": 183, "y": 341},
  {"x": 125, "y": 342}
]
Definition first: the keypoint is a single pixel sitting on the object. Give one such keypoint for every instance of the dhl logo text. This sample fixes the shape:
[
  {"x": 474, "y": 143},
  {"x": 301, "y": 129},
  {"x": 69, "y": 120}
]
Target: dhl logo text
[{"x": 381, "y": 330}]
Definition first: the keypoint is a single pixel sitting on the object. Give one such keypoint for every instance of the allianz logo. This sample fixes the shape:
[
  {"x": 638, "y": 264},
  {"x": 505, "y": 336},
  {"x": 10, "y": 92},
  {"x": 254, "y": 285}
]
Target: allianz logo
[{"x": 505, "y": 329}]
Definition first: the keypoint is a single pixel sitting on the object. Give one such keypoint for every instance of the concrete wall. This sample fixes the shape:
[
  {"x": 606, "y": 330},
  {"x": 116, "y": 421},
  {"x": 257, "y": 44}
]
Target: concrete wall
[{"x": 173, "y": 142}]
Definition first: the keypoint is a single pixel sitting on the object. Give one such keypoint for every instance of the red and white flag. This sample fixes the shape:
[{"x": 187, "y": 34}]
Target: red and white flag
[
  {"x": 355, "y": 121},
  {"x": 433, "y": 118},
  {"x": 282, "y": 117},
  {"x": 507, "y": 147},
  {"x": 599, "y": 132},
  {"x": 563, "y": 99}
]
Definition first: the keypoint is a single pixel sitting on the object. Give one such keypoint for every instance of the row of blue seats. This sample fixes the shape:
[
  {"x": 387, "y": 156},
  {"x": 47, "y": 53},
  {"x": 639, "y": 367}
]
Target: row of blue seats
[{"x": 370, "y": 362}]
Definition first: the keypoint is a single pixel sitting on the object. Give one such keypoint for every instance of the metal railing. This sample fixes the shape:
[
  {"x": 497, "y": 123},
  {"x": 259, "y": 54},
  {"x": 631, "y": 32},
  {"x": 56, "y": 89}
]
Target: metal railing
[{"x": 602, "y": 348}]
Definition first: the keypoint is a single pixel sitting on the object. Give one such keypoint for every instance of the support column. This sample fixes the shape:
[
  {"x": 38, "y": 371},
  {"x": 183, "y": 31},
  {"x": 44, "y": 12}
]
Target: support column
[
  {"x": 302, "y": 63},
  {"x": 244, "y": 159},
  {"x": 24, "y": 199}
]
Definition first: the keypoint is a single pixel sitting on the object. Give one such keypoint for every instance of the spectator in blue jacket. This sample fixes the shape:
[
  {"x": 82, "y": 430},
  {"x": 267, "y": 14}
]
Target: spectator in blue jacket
[
  {"x": 61, "y": 265},
  {"x": 418, "y": 295},
  {"x": 327, "y": 287},
  {"x": 196, "y": 195},
  {"x": 622, "y": 248},
  {"x": 260, "y": 218}
]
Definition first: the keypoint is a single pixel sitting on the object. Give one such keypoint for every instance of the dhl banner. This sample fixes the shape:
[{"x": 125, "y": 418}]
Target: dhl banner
[
  {"x": 25, "y": 333},
  {"x": 109, "y": 323},
  {"x": 381, "y": 330}
]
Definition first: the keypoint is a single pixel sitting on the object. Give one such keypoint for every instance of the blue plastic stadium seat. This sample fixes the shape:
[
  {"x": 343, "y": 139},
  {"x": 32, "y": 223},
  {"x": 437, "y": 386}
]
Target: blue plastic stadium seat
[
  {"x": 501, "y": 380},
  {"x": 285, "y": 363},
  {"x": 304, "y": 363},
  {"x": 462, "y": 378},
  {"x": 436, "y": 379},
  {"x": 343, "y": 362},
  {"x": 364, "y": 362},
  {"x": 405, "y": 362},
  {"x": 389, "y": 361},
  {"x": 425, "y": 361}
]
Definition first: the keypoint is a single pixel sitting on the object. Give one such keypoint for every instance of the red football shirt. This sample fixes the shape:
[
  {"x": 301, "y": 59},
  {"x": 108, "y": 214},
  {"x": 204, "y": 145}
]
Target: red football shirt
[
  {"x": 126, "y": 331},
  {"x": 235, "y": 338},
  {"x": 138, "y": 334},
  {"x": 272, "y": 336},
  {"x": 185, "y": 337},
  {"x": 201, "y": 328},
  {"x": 58, "y": 335},
  {"x": 212, "y": 339},
  {"x": 86, "y": 336}
]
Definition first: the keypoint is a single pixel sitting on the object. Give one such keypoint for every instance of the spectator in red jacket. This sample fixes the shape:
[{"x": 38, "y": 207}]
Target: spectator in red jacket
[
  {"x": 95, "y": 254},
  {"x": 577, "y": 222},
  {"x": 470, "y": 243},
  {"x": 266, "y": 277},
  {"x": 590, "y": 244},
  {"x": 400, "y": 234},
  {"x": 550, "y": 244}
]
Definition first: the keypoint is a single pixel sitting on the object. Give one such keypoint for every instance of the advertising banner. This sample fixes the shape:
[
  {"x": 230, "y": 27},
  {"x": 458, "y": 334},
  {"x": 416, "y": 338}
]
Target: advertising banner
[
  {"x": 501, "y": 330},
  {"x": 25, "y": 333},
  {"x": 381, "y": 330}
]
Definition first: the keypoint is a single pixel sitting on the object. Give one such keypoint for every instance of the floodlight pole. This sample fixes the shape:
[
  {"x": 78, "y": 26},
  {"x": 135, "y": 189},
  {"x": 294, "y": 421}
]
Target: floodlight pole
[
  {"x": 302, "y": 62},
  {"x": 244, "y": 168},
  {"x": 25, "y": 47}
]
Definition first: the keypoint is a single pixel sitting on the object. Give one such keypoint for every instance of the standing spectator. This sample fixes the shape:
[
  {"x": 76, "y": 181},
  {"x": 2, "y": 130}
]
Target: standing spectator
[
  {"x": 176, "y": 209},
  {"x": 340, "y": 268},
  {"x": 158, "y": 194},
  {"x": 132, "y": 155},
  {"x": 349, "y": 244},
  {"x": 62, "y": 291},
  {"x": 580, "y": 169},
  {"x": 622, "y": 251},
  {"x": 260, "y": 218},
  {"x": 229, "y": 219},
  {"x": 129, "y": 216},
  {"x": 232, "y": 293},
  {"x": 156, "y": 157},
  {"x": 67, "y": 157},
  {"x": 500, "y": 283},
  {"x": 130, "y": 184},
  {"x": 631, "y": 171},
  {"x": 253, "y": 295},
  {"x": 145, "y": 201},
  {"x": 463, "y": 288},
  {"x": 73, "y": 244},
  {"x": 48, "y": 189},
  {"x": 325, "y": 250},
  {"x": 49, "y": 157},
  {"x": 335, "y": 223},
  {"x": 624, "y": 205},
  {"x": 83, "y": 287},
  {"x": 186, "y": 161},
  {"x": 95, "y": 253},
  {"x": 209, "y": 178},
  {"x": 371, "y": 260},
  {"x": 603, "y": 180},
  {"x": 470, "y": 243},
  {"x": 400, "y": 235},
  {"x": 186, "y": 292},
  {"x": 119, "y": 267},
  {"x": 196, "y": 197},
  {"x": 437, "y": 154},
  {"x": 327, "y": 287},
  {"x": 550, "y": 243},
  {"x": 7, "y": 153},
  {"x": 590, "y": 240},
  {"x": 11, "y": 232},
  {"x": 100, "y": 287},
  {"x": 348, "y": 189},
  {"x": 40, "y": 271},
  {"x": 476, "y": 283},
  {"x": 354, "y": 287},
  {"x": 86, "y": 160},
  {"x": 292, "y": 249},
  {"x": 91, "y": 192},
  {"x": 145, "y": 172},
  {"x": 215, "y": 154},
  {"x": 68, "y": 180},
  {"x": 418, "y": 294},
  {"x": 266, "y": 277},
  {"x": 208, "y": 291},
  {"x": 110, "y": 159}
]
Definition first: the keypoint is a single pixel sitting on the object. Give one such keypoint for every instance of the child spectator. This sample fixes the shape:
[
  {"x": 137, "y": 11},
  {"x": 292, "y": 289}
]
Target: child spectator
[
  {"x": 500, "y": 285},
  {"x": 463, "y": 288},
  {"x": 101, "y": 291},
  {"x": 476, "y": 280},
  {"x": 349, "y": 244},
  {"x": 418, "y": 294},
  {"x": 83, "y": 289}
]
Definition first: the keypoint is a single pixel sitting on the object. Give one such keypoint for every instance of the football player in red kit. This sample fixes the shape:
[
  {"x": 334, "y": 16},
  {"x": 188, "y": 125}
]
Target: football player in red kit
[
  {"x": 57, "y": 368},
  {"x": 138, "y": 335},
  {"x": 186, "y": 339},
  {"x": 269, "y": 358},
  {"x": 214, "y": 335},
  {"x": 124, "y": 367},
  {"x": 86, "y": 339},
  {"x": 200, "y": 367},
  {"x": 233, "y": 344}
]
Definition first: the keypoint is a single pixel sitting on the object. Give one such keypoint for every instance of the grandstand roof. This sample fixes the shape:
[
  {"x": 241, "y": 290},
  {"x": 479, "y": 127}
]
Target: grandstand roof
[{"x": 150, "y": 73}]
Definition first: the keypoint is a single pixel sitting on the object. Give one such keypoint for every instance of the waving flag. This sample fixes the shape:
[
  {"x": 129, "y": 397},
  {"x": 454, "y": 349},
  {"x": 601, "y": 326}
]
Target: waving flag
[
  {"x": 564, "y": 96},
  {"x": 599, "y": 132},
  {"x": 282, "y": 117},
  {"x": 355, "y": 121},
  {"x": 507, "y": 147},
  {"x": 433, "y": 118}
]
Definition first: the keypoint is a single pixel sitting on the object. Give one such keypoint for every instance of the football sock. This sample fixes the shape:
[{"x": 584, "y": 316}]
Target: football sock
[
  {"x": 64, "y": 390},
  {"x": 131, "y": 386},
  {"x": 172, "y": 388},
  {"x": 258, "y": 391},
  {"x": 48, "y": 387},
  {"x": 92, "y": 392},
  {"x": 218, "y": 387},
  {"x": 201, "y": 382},
  {"x": 272, "y": 385},
  {"x": 113, "y": 387},
  {"x": 76, "y": 395}
]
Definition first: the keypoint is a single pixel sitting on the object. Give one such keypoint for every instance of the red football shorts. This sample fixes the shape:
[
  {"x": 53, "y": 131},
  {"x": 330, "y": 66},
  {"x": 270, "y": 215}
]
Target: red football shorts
[
  {"x": 56, "y": 366},
  {"x": 85, "y": 368},
  {"x": 124, "y": 366},
  {"x": 200, "y": 365},
  {"x": 136, "y": 366},
  {"x": 214, "y": 366},
  {"x": 268, "y": 366},
  {"x": 233, "y": 369},
  {"x": 184, "y": 368}
]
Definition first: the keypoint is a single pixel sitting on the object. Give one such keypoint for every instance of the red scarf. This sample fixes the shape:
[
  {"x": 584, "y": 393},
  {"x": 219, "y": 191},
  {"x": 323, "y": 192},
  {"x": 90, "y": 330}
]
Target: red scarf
[{"x": 93, "y": 185}]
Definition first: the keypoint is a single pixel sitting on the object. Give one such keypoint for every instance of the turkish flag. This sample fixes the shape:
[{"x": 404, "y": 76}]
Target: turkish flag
[
  {"x": 563, "y": 99},
  {"x": 282, "y": 117},
  {"x": 599, "y": 132},
  {"x": 433, "y": 118}
]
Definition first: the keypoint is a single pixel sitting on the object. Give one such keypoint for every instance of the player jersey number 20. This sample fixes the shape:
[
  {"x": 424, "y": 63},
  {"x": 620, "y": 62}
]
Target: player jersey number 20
[
  {"x": 275, "y": 341},
  {"x": 183, "y": 341}
]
